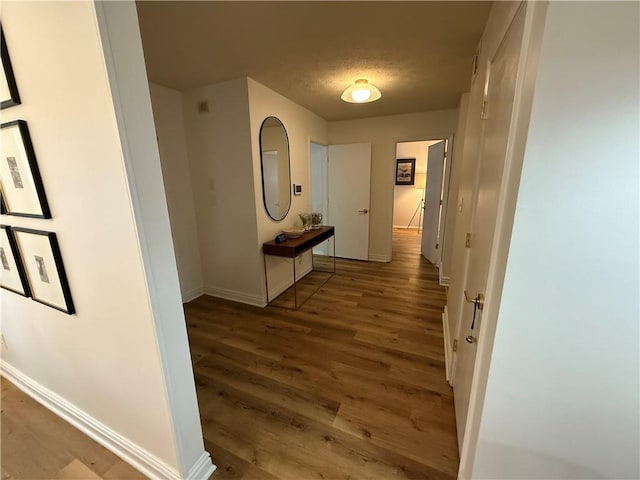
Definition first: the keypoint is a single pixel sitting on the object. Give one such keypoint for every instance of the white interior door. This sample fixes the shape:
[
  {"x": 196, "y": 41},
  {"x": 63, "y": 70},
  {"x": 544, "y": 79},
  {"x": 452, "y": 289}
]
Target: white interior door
[
  {"x": 319, "y": 188},
  {"x": 349, "y": 176},
  {"x": 432, "y": 203},
  {"x": 501, "y": 80}
]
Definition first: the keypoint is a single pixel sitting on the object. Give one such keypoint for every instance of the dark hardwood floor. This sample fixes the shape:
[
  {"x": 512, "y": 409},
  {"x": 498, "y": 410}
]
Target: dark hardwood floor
[{"x": 350, "y": 386}]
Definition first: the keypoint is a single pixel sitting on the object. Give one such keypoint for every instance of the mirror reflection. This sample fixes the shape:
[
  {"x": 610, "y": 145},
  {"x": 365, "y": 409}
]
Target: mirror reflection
[{"x": 276, "y": 180}]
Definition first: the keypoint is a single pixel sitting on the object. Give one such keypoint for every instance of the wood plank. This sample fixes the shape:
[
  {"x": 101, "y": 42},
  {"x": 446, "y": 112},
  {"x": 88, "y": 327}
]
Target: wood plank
[{"x": 351, "y": 385}]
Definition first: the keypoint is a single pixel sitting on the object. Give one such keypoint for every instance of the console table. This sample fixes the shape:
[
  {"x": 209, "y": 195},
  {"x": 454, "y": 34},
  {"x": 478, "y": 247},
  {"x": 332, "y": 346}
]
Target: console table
[{"x": 292, "y": 248}]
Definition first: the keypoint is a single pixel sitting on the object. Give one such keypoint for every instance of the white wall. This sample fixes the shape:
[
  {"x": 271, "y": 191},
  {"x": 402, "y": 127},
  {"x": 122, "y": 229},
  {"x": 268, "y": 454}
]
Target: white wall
[
  {"x": 113, "y": 234},
  {"x": 302, "y": 127},
  {"x": 407, "y": 197},
  {"x": 383, "y": 133},
  {"x": 169, "y": 122},
  {"x": 224, "y": 154},
  {"x": 562, "y": 396},
  {"x": 219, "y": 147}
]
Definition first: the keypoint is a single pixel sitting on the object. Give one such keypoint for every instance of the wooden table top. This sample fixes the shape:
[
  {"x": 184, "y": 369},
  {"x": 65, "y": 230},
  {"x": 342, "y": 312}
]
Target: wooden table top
[{"x": 292, "y": 247}]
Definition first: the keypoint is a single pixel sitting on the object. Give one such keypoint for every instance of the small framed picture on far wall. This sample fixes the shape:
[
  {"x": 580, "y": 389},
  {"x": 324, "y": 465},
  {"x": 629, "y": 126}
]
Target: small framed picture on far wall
[{"x": 405, "y": 171}]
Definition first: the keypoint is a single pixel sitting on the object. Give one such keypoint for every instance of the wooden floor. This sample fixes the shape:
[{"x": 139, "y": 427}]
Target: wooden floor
[
  {"x": 37, "y": 444},
  {"x": 350, "y": 386}
]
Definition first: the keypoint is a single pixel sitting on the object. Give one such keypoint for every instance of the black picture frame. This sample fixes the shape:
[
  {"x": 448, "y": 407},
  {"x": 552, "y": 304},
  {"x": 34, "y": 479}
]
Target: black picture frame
[
  {"x": 12, "y": 86},
  {"x": 30, "y": 160},
  {"x": 37, "y": 272},
  {"x": 405, "y": 171},
  {"x": 5, "y": 264}
]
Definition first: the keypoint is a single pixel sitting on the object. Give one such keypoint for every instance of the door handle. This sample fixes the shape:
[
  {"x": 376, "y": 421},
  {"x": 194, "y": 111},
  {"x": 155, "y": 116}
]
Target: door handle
[
  {"x": 479, "y": 300},
  {"x": 364, "y": 211}
]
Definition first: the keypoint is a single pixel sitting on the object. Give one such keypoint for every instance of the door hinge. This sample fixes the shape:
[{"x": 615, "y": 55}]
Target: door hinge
[
  {"x": 437, "y": 245},
  {"x": 440, "y": 202},
  {"x": 467, "y": 241},
  {"x": 455, "y": 346},
  {"x": 483, "y": 112}
]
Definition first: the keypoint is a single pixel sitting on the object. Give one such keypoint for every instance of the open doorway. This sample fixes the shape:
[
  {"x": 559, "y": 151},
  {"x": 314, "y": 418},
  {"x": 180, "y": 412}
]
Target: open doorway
[{"x": 414, "y": 190}]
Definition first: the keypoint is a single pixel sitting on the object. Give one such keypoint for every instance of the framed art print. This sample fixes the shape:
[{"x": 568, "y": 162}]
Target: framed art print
[
  {"x": 20, "y": 183},
  {"x": 44, "y": 269},
  {"x": 12, "y": 274},
  {"x": 405, "y": 171},
  {"x": 8, "y": 88}
]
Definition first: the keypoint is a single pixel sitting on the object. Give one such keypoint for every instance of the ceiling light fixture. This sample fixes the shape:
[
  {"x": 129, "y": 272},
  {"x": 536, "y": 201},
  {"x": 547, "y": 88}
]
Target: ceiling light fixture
[{"x": 361, "y": 92}]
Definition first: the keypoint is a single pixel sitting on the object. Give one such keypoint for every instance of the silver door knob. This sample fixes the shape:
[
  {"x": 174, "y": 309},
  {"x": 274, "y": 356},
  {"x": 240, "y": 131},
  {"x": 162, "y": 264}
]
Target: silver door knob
[
  {"x": 471, "y": 339},
  {"x": 364, "y": 211}
]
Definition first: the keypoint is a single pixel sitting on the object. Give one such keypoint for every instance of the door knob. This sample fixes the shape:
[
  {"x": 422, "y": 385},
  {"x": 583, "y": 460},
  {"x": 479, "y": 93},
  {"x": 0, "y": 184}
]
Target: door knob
[
  {"x": 471, "y": 339},
  {"x": 364, "y": 211},
  {"x": 479, "y": 300}
]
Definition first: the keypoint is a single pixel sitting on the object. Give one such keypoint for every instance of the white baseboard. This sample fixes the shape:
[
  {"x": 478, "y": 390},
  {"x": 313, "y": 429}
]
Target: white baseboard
[
  {"x": 374, "y": 257},
  {"x": 124, "y": 448},
  {"x": 404, "y": 227},
  {"x": 444, "y": 281},
  {"x": 202, "y": 469},
  {"x": 448, "y": 352},
  {"x": 241, "y": 297},
  {"x": 192, "y": 294}
]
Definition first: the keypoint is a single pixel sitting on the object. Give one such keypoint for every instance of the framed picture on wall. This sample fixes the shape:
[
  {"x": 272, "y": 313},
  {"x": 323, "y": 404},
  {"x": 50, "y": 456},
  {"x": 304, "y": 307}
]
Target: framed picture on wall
[
  {"x": 20, "y": 183},
  {"x": 405, "y": 171},
  {"x": 12, "y": 274},
  {"x": 8, "y": 88},
  {"x": 44, "y": 269}
]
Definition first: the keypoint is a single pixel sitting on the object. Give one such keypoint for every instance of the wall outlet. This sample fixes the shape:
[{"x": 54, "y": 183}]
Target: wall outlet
[{"x": 297, "y": 189}]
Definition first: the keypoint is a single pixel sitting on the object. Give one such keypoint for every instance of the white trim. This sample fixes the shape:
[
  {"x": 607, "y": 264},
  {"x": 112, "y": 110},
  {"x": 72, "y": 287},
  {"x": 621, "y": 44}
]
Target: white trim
[
  {"x": 404, "y": 227},
  {"x": 444, "y": 281},
  {"x": 133, "y": 454},
  {"x": 192, "y": 294},
  {"x": 375, "y": 257},
  {"x": 236, "y": 296},
  {"x": 202, "y": 469},
  {"x": 448, "y": 351}
]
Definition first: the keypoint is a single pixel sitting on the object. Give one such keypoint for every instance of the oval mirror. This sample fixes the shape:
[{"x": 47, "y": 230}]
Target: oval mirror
[{"x": 276, "y": 179}]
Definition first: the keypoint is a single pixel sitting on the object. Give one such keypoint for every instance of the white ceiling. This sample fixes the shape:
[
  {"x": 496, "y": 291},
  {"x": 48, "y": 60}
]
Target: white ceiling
[{"x": 418, "y": 53}]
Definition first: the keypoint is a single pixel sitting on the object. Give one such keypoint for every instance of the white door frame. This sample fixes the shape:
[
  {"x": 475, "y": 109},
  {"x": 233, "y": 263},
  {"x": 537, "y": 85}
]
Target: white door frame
[{"x": 527, "y": 69}]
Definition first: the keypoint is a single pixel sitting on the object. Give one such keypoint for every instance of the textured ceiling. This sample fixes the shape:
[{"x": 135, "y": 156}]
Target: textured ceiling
[{"x": 418, "y": 53}]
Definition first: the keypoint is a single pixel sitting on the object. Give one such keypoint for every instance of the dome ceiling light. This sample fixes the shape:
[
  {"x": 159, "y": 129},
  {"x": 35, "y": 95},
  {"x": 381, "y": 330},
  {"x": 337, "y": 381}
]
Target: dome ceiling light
[{"x": 361, "y": 92}]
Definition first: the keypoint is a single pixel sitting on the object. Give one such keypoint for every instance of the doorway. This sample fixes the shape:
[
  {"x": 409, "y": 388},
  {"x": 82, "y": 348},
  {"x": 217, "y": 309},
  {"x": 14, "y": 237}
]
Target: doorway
[
  {"x": 340, "y": 190},
  {"x": 420, "y": 182}
]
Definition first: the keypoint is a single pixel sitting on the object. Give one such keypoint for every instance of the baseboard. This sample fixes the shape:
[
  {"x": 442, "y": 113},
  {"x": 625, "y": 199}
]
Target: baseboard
[
  {"x": 374, "y": 257},
  {"x": 192, "y": 294},
  {"x": 404, "y": 227},
  {"x": 240, "y": 297},
  {"x": 444, "y": 280},
  {"x": 128, "y": 451},
  {"x": 448, "y": 352},
  {"x": 202, "y": 469}
]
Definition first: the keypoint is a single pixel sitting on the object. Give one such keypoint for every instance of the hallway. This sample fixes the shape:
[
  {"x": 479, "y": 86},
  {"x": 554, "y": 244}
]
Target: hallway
[{"x": 352, "y": 385}]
